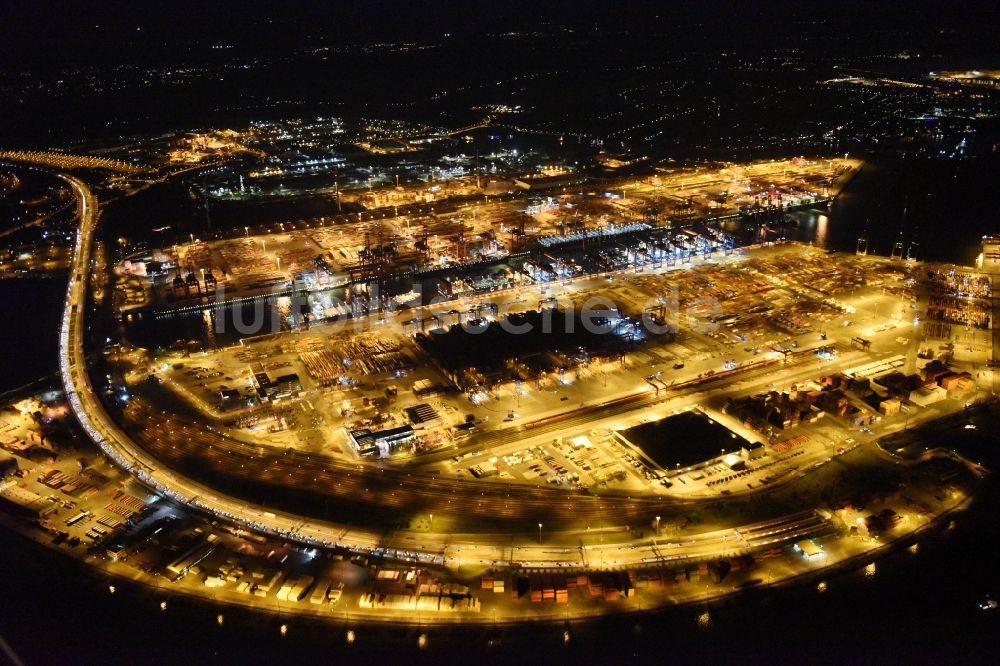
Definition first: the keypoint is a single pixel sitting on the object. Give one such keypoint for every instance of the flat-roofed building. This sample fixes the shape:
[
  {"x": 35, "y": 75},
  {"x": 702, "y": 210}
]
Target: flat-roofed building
[
  {"x": 380, "y": 443},
  {"x": 22, "y": 502}
]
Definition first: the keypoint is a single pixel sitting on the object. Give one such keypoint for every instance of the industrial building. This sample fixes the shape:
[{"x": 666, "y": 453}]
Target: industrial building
[
  {"x": 283, "y": 386},
  {"x": 809, "y": 549},
  {"x": 381, "y": 443},
  {"x": 23, "y": 502},
  {"x": 537, "y": 183},
  {"x": 752, "y": 451},
  {"x": 927, "y": 395}
]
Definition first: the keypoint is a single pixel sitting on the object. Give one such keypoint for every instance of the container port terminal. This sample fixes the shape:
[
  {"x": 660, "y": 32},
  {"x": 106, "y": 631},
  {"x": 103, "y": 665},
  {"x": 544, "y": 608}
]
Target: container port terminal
[{"x": 347, "y": 461}]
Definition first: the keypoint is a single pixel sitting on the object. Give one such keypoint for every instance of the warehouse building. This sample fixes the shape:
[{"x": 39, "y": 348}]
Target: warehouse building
[
  {"x": 283, "y": 386},
  {"x": 381, "y": 443},
  {"x": 23, "y": 502}
]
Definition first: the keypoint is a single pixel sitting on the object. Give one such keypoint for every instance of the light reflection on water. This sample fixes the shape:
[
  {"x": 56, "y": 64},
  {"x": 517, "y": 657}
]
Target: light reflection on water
[{"x": 822, "y": 231}]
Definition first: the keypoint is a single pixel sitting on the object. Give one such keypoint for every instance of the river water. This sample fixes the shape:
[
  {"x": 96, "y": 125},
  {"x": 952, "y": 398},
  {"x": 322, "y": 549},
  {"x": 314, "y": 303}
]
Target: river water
[
  {"x": 31, "y": 311},
  {"x": 945, "y": 206}
]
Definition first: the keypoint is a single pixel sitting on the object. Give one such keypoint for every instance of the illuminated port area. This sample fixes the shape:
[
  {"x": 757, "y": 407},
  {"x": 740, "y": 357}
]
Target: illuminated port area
[{"x": 512, "y": 369}]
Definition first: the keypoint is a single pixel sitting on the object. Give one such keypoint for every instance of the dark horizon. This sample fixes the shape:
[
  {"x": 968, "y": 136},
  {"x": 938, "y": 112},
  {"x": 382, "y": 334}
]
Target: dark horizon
[{"x": 50, "y": 35}]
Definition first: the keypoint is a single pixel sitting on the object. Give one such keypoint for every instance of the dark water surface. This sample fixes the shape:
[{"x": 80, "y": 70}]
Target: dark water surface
[
  {"x": 30, "y": 312},
  {"x": 949, "y": 206}
]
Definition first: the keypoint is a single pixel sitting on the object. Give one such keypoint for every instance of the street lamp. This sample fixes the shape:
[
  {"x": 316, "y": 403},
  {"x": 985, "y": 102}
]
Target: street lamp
[
  {"x": 539, "y": 533},
  {"x": 432, "y": 522},
  {"x": 657, "y": 526}
]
